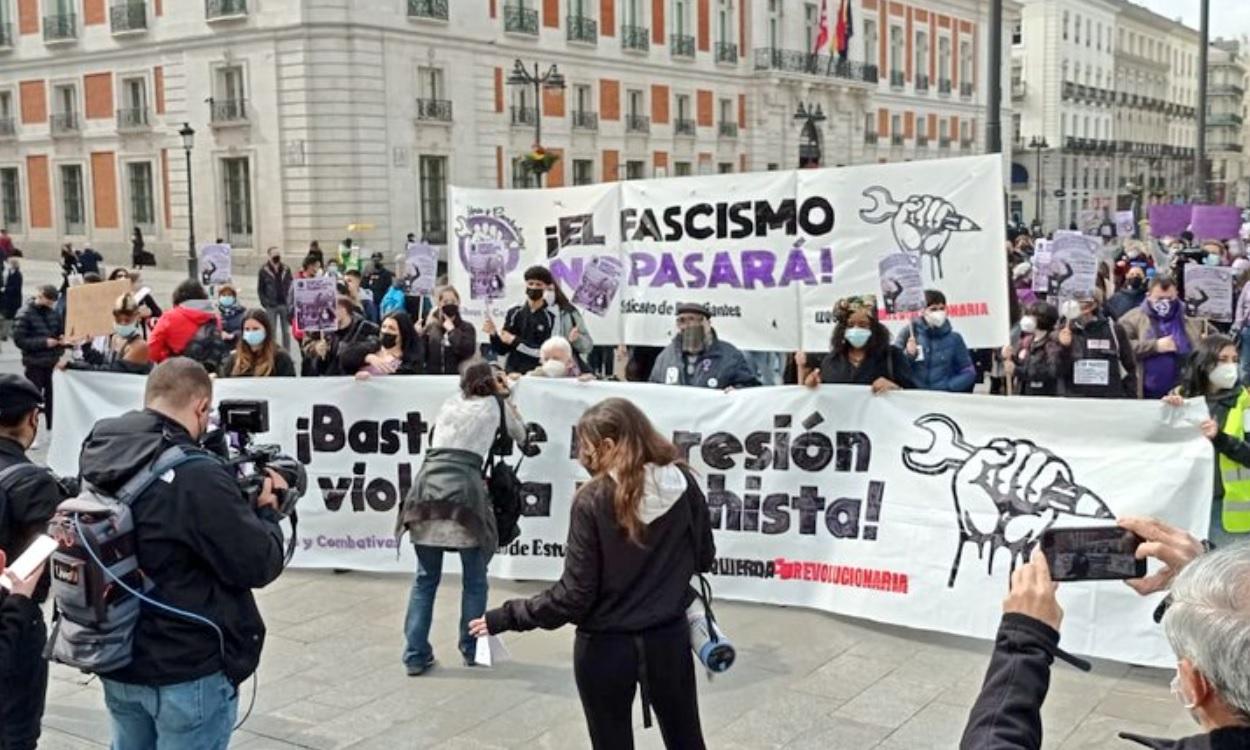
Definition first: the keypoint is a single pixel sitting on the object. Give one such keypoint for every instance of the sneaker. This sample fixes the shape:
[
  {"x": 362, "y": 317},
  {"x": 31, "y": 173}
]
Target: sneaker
[
  {"x": 417, "y": 669},
  {"x": 469, "y": 660}
]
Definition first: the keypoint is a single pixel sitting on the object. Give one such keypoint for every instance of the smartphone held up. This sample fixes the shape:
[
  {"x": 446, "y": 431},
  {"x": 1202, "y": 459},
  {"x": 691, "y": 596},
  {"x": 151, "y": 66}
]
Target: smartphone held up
[{"x": 1092, "y": 553}]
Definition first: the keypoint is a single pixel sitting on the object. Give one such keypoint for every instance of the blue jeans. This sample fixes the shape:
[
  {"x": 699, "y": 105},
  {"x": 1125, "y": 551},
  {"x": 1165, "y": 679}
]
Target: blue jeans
[
  {"x": 196, "y": 715},
  {"x": 421, "y": 602}
]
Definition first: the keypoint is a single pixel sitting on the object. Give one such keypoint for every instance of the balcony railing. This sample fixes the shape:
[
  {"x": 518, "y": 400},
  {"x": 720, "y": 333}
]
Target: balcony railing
[
  {"x": 965, "y": 143},
  {"x": 1224, "y": 118},
  {"x": 727, "y": 52},
  {"x": 127, "y": 17},
  {"x": 684, "y": 126},
  {"x": 64, "y": 123},
  {"x": 803, "y": 63},
  {"x": 133, "y": 118},
  {"x": 637, "y": 124},
  {"x": 896, "y": 79},
  {"x": 727, "y": 130},
  {"x": 637, "y": 38},
  {"x": 437, "y": 110},
  {"x": 1018, "y": 90},
  {"x": 432, "y": 9},
  {"x": 6, "y": 35},
  {"x": 1227, "y": 89},
  {"x": 870, "y": 138},
  {"x": 524, "y": 115},
  {"x": 1234, "y": 147},
  {"x": 922, "y": 82},
  {"x": 8, "y": 127},
  {"x": 681, "y": 45},
  {"x": 922, "y": 141},
  {"x": 221, "y": 9},
  {"x": 62, "y": 27},
  {"x": 944, "y": 142},
  {"x": 944, "y": 85},
  {"x": 583, "y": 29},
  {"x": 583, "y": 120},
  {"x": 965, "y": 90},
  {"x": 227, "y": 111},
  {"x": 518, "y": 20},
  {"x": 896, "y": 139}
]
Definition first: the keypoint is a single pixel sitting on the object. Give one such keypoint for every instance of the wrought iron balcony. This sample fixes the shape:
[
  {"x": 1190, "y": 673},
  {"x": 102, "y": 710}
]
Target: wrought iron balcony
[
  {"x": 637, "y": 124},
  {"x": 1069, "y": 90},
  {"x": 727, "y": 52},
  {"x": 128, "y": 17},
  {"x": 432, "y": 9},
  {"x": 524, "y": 115},
  {"x": 437, "y": 110},
  {"x": 922, "y": 82},
  {"x": 62, "y": 27},
  {"x": 583, "y": 29},
  {"x": 6, "y": 35},
  {"x": 1229, "y": 146},
  {"x": 727, "y": 130},
  {"x": 944, "y": 86},
  {"x": 944, "y": 142},
  {"x": 1224, "y": 118},
  {"x": 896, "y": 139},
  {"x": 870, "y": 137},
  {"x": 637, "y": 38},
  {"x": 804, "y": 63},
  {"x": 222, "y": 9},
  {"x": 518, "y": 20},
  {"x": 64, "y": 123},
  {"x": 965, "y": 90},
  {"x": 134, "y": 118},
  {"x": 583, "y": 120},
  {"x": 896, "y": 79},
  {"x": 965, "y": 143},
  {"x": 8, "y": 127},
  {"x": 922, "y": 141},
  {"x": 684, "y": 126},
  {"x": 227, "y": 111},
  {"x": 681, "y": 45},
  {"x": 1227, "y": 89}
]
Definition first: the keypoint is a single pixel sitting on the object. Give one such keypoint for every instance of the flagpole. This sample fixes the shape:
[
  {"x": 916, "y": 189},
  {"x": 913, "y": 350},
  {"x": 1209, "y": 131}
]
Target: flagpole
[{"x": 994, "y": 81}]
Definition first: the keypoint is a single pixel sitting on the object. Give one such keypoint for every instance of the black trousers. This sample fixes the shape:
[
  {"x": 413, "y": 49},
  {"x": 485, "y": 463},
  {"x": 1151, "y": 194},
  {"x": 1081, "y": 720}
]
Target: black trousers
[
  {"x": 23, "y": 690},
  {"x": 41, "y": 376},
  {"x": 606, "y": 667}
]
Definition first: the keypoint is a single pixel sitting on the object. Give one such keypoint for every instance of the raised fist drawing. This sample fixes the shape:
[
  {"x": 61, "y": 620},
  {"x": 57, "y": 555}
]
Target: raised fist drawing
[{"x": 920, "y": 224}]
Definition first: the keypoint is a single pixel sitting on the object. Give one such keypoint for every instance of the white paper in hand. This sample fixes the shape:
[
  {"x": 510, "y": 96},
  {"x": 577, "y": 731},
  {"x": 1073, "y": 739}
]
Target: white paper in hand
[{"x": 490, "y": 651}]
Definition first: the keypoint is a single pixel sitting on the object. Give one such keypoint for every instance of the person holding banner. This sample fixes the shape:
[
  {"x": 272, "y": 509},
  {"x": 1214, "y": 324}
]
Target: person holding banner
[
  {"x": 1131, "y": 295},
  {"x": 1162, "y": 336},
  {"x": 399, "y": 350},
  {"x": 1040, "y": 361},
  {"x": 450, "y": 340},
  {"x": 638, "y": 532},
  {"x": 1100, "y": 356},
  {"x": 938, "y": 355},
  {"x": 257, "y": 355},
  {"x": 698, "y": 357},
  {"x": 545, "y": 313},
  {"x": 860, "y": 352},
  {"x": 322, "y": 353},
  {"x": 126, "y": 350}
]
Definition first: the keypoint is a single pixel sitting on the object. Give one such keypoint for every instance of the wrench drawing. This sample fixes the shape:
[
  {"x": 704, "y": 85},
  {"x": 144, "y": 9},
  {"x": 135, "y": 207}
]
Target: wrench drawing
[{"x": 922, "y": 224}]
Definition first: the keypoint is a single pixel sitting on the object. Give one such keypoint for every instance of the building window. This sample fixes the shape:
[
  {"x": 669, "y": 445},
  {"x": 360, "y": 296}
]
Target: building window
[
  {"x": 65, "y": 99},
  {"x": 583, "y": 171},
  {"x": 430, "y": 83},
  {"x": 8, "y": 124},
  {"x": 1098, "y": 41},
  {"x": 811, "y": 25},
  {"x": 1065, "y": 26},
  {"x": 965, "y": 63},
  {"x": 521, "y": 177},
  {"x": 724, "y": 22},
  {"x": 681, "y": 17},
  {"x": 727, "y": 110},
  {"x": 634, "y": 170},
  {"x": 896, "y": 50},
  {"x": 944, "y": 129},
  {"x": 10, "y": 198},
  {"x": 433, "y": 174},
  {"x": 634, "y": 103},
  {"x": 944, "y": 58},
  {"x": 774, "y": 24},
  {"x": 631, "y": 15},
  {"x": 682, "y": 169},
  {"x": 133, "y": 111},
  {"x": 725, "y": 167},
  {"x": 229, "y": 94},
  {"x": 921, "y": 130},
  {"x": 583, "y": 99},
  {"x": 236, "y": 191},
  {"x": 72, "y": 208},
  {"x": 1017, "y": 33},
  {"x": 896, "y": 126},
  {"x": 1076, "y": 30},
  {"x": 683, "y": 106},
  {"x": 870, "y": 42},
  {"x": 139, "y": 179},
  {"x": 922, "y": 54}
]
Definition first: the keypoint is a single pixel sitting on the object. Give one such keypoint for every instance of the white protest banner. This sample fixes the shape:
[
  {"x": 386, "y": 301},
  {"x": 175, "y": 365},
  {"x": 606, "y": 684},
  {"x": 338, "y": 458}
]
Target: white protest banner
[
  {"x": 420, "y": 267},
  {"x": 769, "y": 253},
  {"x": 214, "y": 264},
  {"x": 834, "y": 499},
  {"x": 1124, "y": 223},
  {"x": 314, "y": 303},
  {"x": 1209, "y": 292}
]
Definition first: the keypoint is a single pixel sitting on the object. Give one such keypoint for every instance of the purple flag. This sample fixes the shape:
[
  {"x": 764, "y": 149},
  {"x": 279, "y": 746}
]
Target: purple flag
[
  {"x": 1169, "y": 218},
  {"x": 1216, "y": 222}
]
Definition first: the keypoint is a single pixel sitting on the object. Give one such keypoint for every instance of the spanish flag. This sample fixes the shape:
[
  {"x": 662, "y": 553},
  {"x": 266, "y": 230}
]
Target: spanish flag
[{"x": 844, "y": 30}]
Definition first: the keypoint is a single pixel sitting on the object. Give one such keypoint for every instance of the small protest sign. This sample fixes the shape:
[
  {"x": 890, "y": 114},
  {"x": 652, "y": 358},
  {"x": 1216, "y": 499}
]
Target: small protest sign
[
  {"x": 314, "y": 304},
  {"x": 902, "y": 288},
  {"x": 420, "y": 268},
  {"x": 89, "y": 307},
  {"x": 1209, "y": 292},
  {"x": 214, "y": 264}
]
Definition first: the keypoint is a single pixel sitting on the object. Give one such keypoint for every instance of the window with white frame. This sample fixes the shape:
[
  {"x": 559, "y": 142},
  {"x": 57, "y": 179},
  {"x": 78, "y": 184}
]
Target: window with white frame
[
  {"x": 965, "y": 63},
  {"x": 430, "y": 83},
  {"x": 682, "y": 169},
  {"x": 726, "y": 110},
  {"x": 432, "y": 171},
  {"x": 236, "y": 194},
  {"x": 922, "y": 54},
  {"x": 635, "y": 106},
  {"x": 1065, "y": 26},
  {"x": 896, "y": 49},
  {"x": 774, "y": 24},
  {"x": 724, "y": 21},
  {"x": 65, "y": 99},
  {"x": 681, "y": 17},
  {"x": 870, "y": 42},
  {"x": 683, "y": 107},
  {"x": 635, "y": 170},
  {"x": 583, "y": 99},
  {"x": 1076, "y": 30},
  {"x": 139, "y": 189},
  {"x": 6, "y": 108},
  {"x": 631, "y": 13},
  {"x": 944, "y": 58},
  {"x": 521, "y": 176},
  {"x": 583, "y": 171},
  {"x": 10, "y": 198},
  {"x": 73, "y": 208}
]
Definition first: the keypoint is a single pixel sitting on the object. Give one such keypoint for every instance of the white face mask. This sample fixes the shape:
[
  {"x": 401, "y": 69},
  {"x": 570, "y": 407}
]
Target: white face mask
[
  {"x": 554, "y": 368},
  {"x": 1070, "y": 309},
  {"x": 549, "y": 297},
  {"x": 935, "y": 318},
  {"x": 1224, "y": 376},
  {"x": 1028, "y": 324}
]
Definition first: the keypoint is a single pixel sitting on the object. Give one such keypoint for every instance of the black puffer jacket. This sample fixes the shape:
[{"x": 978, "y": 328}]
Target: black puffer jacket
[
  {"x": 202, "y": 545},
  {"x": 35, "y": 325}
]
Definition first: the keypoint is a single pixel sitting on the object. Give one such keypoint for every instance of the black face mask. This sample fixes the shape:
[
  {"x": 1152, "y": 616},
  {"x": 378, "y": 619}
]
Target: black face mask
[
  {"x": 1135, "y": 284},
  {"x": 451, "y": 311},
  {"x": 534, "y": 294},
  {"x": 389, "y": 340}
]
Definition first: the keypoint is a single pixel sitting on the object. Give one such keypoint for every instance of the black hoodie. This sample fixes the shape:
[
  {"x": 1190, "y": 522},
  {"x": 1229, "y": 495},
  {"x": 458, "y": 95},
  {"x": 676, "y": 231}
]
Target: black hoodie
[{"x": 199, "y": 543}]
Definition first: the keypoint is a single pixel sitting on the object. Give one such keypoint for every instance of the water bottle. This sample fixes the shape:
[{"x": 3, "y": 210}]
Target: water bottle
[{"x": 707, "y": 641}]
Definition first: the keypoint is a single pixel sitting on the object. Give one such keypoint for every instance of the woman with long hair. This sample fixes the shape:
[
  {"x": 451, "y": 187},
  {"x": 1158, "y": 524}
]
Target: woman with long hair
[
  {"x": 450, "y": 340},
  {"x": 448, "y": 508},
  {"x": 638, "y": 532},
  {"x": 860, "y": 352},
  {"x": 257, "y": 355},
  {"x": 124, "y": 350},
  {"x": 399, "y": 350}
]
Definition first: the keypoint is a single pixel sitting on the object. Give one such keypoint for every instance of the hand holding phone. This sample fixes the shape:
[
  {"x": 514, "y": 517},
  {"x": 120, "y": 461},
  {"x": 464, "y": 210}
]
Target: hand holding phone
[
  {"x": 1092, "y": 553},
  {"x": 23, "y": 575}
]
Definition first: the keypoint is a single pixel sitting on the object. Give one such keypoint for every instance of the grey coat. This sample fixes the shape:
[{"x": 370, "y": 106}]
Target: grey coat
[{"x": 448, "y": 506}]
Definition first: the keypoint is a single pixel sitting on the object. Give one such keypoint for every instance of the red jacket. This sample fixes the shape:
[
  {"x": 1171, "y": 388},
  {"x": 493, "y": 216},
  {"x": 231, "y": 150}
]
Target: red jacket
[{"x": 175, "y": 329}]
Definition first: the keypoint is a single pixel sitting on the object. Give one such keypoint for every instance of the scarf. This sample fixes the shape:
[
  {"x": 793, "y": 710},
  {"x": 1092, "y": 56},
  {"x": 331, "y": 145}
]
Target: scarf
[{"x": 1173, "y": 325}]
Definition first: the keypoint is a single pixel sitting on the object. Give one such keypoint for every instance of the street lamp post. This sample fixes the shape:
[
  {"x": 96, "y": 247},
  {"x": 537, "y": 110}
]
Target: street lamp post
[
  {"x": 810, "y": 152},
  {"x": 188, "y": 140},
  {"x": 1038, "y": 143},
  {"x": 552, "y": 79}
]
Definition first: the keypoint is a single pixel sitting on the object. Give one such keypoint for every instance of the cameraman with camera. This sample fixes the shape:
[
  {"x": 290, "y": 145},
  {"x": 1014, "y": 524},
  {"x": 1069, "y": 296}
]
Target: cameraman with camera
[{"x": 203, "y": 547}]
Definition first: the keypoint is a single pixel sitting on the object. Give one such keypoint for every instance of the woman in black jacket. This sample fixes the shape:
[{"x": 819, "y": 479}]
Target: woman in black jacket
[
  {"x": 860, "y": 352},
  {"x": 449, "y": 338},
  {"x": 638, "y": 532}
]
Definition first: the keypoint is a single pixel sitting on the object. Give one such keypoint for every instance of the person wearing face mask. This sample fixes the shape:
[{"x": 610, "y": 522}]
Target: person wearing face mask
[
  {"x": 229, "y": 311},
  {"x": 29, "y": 495},
  {"x": 258, "y": 355},
  {"x": 123, "y": 351},
  {"x": 1213, "y": 373},
  {"x": 399, "y": 350},
  {"x": 860, "y": 351},
  {"x": 698, "y": 357},
  {"x": 1134, "y": 255},
  {"x": 322, "y": 352},
  {"x": 377, "y": 277},
  {"x": 203, "y": 547},
  {"x": 545, "y": 313},
  {"x": 939, "y": 357},
  {"x": 1130, "y": 295},
  {"x": 1162, "y": 336},
  {"x": 450, "y": 340},
  {"x": 39, "y": 334},
  {"x": 1241, "y": 315},
  {"x": 1203, "y": 617},
  {"x": 558, "y": 361},
  {"x": 1040, "y": 360},
  {"x": 273, "y": 287},
  {"x": 1099, "y": 354}
]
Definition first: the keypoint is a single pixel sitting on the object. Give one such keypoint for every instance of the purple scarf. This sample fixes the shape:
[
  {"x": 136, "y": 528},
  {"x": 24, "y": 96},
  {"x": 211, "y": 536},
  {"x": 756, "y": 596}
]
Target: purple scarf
[{"x": 1172, "y": 324}]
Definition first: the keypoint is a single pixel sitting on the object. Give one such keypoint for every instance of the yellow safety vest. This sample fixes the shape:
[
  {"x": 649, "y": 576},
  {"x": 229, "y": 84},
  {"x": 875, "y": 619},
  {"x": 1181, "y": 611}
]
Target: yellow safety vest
[{"x": 1236, "y": 511}]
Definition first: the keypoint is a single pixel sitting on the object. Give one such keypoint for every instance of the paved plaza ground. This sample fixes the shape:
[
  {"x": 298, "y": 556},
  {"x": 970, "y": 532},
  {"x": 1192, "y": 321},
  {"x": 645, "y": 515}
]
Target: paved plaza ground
[{"x": 331, "y": 676}]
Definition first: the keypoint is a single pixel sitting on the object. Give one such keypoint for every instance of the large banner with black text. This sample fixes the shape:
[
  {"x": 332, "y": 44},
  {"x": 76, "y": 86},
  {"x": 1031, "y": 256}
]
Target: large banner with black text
[
  {"x": 909, "y": 508},
  {"x": 767, "y": 252}
]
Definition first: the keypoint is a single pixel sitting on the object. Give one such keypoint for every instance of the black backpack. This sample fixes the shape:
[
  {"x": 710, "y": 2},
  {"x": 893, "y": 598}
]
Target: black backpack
[
  {"x": 503, "y": 485},
  {"x": 207, "y": 347}
]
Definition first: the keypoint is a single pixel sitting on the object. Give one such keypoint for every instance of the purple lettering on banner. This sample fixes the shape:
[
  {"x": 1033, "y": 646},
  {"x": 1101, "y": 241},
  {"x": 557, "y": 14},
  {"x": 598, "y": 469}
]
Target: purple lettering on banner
[
  {"x": 641, "y": 264},
  {"x": 567, "y": 271},
  {"x": 723, "y": 272},
  {"x": 1169, "y": 218},
  {"x": 1216, "y": 222},
  {"x": 698, "y": 279},
  {"x": 757, "y": 265},
  {"x": 668, "y": 272},
  {"x": 797, "y": 269}
]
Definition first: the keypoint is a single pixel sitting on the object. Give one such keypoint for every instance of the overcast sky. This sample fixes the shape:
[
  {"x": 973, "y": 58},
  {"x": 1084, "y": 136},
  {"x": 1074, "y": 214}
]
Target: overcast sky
[{"x": 1228, "y": 17}]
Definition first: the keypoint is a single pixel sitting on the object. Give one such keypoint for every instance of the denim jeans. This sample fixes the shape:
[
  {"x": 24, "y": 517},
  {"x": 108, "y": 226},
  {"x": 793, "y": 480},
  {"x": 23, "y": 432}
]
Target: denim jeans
[
  {"x": 195, "y": 715},
  {"x": 421, "y": 602},
  {"x": 280, "y": 319}
]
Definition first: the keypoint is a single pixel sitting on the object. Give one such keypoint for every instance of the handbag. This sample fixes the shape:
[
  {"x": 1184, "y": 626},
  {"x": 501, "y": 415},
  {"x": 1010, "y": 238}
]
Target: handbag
[{"x": 502, "y": 484}]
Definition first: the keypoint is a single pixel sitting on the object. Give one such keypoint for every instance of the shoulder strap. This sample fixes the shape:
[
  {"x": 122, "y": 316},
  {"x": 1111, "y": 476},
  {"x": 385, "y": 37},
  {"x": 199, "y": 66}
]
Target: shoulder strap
[
  {"x": 499, "y": 433},
  {"x": 171, "y": 458},
  {"x": 25, "y": 467}
]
